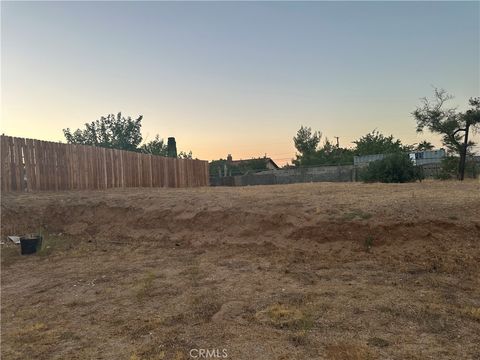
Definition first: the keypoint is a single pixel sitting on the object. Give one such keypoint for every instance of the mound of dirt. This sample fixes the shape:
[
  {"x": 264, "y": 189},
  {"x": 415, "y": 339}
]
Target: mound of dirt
[{"x": 300, "y": 212}]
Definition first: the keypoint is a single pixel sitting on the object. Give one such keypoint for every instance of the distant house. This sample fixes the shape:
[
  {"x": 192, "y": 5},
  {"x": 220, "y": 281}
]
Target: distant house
[
  {"x": 427, "y": 157},
  {"x": 269, "y": 163},
  {"x": 230, "y": 167},
  {"x": 417, "y": 157}
]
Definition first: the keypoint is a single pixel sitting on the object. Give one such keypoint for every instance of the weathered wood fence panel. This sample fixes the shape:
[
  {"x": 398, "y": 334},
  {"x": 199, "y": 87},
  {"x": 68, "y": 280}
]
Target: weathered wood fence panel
[{"x": 34, "y": 165}]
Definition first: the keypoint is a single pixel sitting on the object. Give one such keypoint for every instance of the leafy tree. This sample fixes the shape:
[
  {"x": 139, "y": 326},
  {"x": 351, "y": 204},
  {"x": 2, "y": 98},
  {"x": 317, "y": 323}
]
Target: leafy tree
[
  {"x": 216, "y": 167},
  {"x": 114, "y": 132},
  {"x": 377, "y": 143},
  {"x": 424, "y": 146},
  {"x": 155, "y": 147},
  {"x": 158, "y": 147},
  {"x": 118, "y": 132},
  {"x": 310, "y": 154},
  {"x": 449, "y": 168},
  {"x": 394, "y": 168},
  {"x": 331, "y": 154},
  {"x": 306, "y": 142},
  {"x": 185, "y": 155},
  {"x": 328, "y": 154},
  {"x": 454, "y": 126}
]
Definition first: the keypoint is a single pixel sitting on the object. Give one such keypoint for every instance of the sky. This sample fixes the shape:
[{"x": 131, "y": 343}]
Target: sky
[{"x": 235, "y": 78}]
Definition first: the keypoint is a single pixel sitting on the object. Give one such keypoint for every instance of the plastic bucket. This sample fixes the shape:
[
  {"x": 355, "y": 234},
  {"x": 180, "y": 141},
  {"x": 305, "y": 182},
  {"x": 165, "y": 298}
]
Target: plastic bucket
[{"x": 29, "y": 244}]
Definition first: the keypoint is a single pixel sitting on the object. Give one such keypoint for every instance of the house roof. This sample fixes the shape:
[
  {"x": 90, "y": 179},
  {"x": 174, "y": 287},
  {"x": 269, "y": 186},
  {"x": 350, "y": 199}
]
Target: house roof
[{"x": 243, "y": 161}]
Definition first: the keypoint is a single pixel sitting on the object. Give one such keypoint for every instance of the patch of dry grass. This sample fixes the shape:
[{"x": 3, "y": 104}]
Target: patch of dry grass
[
  {"x": 204, "y": 306},
  {"x": 145, "y": 286},
  {"x": 356, "y": 214},
  {"x": 285, "y": 316},
  {"x": 348, "y": 351},
  {"x": 472, "y": 312}
]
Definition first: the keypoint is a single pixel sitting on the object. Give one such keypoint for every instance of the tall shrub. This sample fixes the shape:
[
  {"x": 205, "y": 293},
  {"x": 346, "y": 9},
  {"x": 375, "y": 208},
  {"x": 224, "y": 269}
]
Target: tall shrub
[{"x": 394, "y": 168}]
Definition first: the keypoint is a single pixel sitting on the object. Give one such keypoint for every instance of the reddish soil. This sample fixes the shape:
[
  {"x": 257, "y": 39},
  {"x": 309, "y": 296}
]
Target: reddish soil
[{"x": 307, "y": 271}]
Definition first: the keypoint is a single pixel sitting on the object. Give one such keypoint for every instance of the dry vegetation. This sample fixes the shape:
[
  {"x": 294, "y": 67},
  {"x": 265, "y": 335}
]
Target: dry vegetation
[{"x": 311, "y": 271}]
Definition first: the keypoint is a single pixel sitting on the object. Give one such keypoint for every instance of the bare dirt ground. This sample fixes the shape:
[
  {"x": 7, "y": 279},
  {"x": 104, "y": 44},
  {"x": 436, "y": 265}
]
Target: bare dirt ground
[{"x": 307, "y": 271}]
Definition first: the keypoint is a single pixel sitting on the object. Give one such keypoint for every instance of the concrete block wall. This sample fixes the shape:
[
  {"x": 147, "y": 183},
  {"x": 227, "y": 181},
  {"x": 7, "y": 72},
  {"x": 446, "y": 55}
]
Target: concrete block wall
[{"x": 297, "y": 175}]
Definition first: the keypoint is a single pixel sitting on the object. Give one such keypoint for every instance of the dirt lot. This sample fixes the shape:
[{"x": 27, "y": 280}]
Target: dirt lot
[{"x": 307, "y": 271}]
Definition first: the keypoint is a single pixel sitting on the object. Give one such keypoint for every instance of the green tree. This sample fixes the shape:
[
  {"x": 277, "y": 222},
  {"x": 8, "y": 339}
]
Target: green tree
[
  {"x": 310, "y": 153},
  {"x": 331, "y": 154},
  {"x": 114, "y": 132},
  {"x": 454, "y": 126},
  {"x": 185, "y": 155},
  {"x": 155, "y": 147},
  {"x": 449, "y": 167},
  {"x": 123, "y": 133},
  {"x": 424, "y": 146},
  {"x": 394, "y": 168},
  {"x": 377, "y": 143},
  {"x": 306, "y": 143}
]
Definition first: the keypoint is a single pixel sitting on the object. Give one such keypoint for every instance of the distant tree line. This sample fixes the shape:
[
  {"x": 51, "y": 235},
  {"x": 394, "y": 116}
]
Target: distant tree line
[
  {"x": 122, "y": 133},
  {"x": 311, "y": 152},
  {"x": 454, "y": 127}
]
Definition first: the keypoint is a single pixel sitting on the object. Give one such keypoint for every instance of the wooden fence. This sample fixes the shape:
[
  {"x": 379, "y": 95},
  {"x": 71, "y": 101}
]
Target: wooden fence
[{"x": 34, "y": 165}]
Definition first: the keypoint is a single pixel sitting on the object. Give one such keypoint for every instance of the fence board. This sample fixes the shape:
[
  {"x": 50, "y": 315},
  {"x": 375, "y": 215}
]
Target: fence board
[{"x": 11, "y": 161}]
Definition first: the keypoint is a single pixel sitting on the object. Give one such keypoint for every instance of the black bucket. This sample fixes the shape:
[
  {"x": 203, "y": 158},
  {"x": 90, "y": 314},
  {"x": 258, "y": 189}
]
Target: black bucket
[{"x": 29, "y": 244}]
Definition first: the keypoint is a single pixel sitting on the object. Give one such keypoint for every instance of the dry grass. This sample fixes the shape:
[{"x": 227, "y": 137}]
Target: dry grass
[
  {"x": 345, "y": 351},
  {"x": 285, "y": 316},
  {"x": 145, "y": 286},
  {"x": 310, "y": 271},
  {"x": 356, "y": 214}
]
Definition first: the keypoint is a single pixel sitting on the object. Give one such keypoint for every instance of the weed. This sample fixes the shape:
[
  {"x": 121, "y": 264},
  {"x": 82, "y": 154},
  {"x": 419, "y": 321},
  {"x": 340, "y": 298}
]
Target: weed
[
  {"x": 368, "y": 243},
  {"x": 204, "y": 307},
  {"x": 77, "y": 303},
  {"x": 54, "y": 243},
  {"x": 138, "y": 328},
  {"x": 68, "y": 336},
  {"x": 34, "y": 327},
  {"x": 432, "y": 318},
  {"x": 352, "y": 215},
  {"x": 378, "y": 342},
  {"x": 472, "y": 312},
  {"x": 145, "y": 286},
  {"x": 32, "y": 333},
  {"x": 296, "y": 299},
  {"x": 286, "y": 316},
  {"x": 194, "y": 274},
  {"x": 299, "y": 338}
]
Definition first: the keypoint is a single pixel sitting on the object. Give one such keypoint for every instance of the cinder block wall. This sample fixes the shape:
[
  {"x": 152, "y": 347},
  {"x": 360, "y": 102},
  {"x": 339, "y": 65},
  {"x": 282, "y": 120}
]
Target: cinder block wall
[{"x": 344, "y": 173}]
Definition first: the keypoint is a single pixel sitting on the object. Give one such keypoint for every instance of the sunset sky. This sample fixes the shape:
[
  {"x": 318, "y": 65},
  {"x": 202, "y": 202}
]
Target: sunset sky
[{"x": 235, "y": 78}]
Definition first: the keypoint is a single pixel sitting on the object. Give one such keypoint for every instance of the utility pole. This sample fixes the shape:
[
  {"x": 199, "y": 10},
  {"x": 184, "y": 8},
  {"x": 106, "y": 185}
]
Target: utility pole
[{"x": 338, "y": 144}]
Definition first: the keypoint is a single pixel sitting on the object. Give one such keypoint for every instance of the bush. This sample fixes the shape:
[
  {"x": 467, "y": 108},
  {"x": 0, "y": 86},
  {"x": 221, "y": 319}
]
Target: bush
[
  {"x": 394, "y": 168},
  {"x": 449, "y": 169}
]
